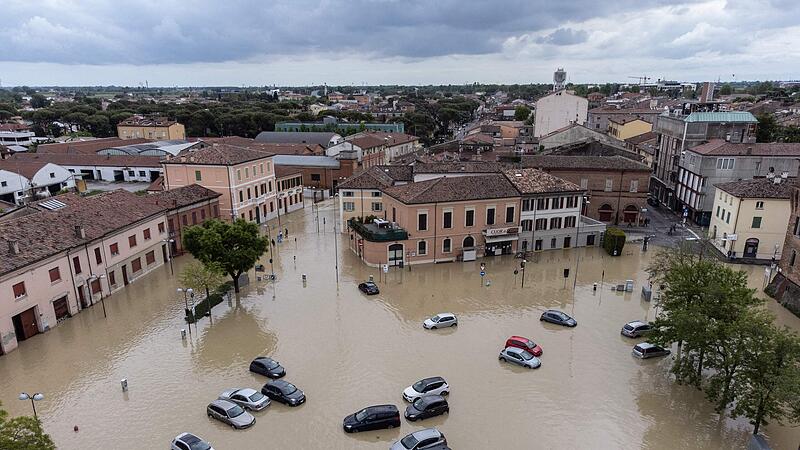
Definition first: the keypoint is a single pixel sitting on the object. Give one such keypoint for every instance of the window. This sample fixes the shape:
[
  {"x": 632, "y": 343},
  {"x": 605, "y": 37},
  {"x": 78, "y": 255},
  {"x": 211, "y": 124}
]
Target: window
[
  {"x": 97, "y": 258},
  {"x": 725, "y": 163},
  {"x": 377, "y": 193},
  {"x": 260, "y": 168},
  {"x": 185, "y": 220},
  {"x": 527, "y": 225},
  {"x": 112, "y": 279},
  {"x": 349, "y": 206},
  {"x": 728, "y": 219},
  {"x": 377, "y": 206},
  {"x": 216, "y": 210},
  {"x": 541, "y": 204},
  {"x": 241, "y": 196},
  {"x": 197, "y": 176},
  {"x": 95, "y": 286},
  {"x": 249, "y": 194},
  {"x": 541, "y": 224},
  {"x": 347, "y": 193},
  {"x": 131, "y": 173},
  {"x": 132, "y": 241},
  {"x": 555, "y": 223},
  {"x": 160, "y": 227},
  {"x": 136, "y": 265},
  {"x": 634, "y": 185},
  {"x": 142, "y": 173},
  {"x": 3, "y": 183},
  {"x": 489, "y": 216},
  {"x": 509, "y": 214},
  {"x": 150, "y": 257},
  {"x": 76, "y": 264},
  {"x": 422, "y": 221},
  {"x": 718, "y": 210},
  {"x": 569, "y": 222},
  {"x": 146, "y": 234},
  {"x": 609, "y": 185},
  {"x": 55, "y": 275},
  {"x": 447, "y": 219},
  {"x": 246, "y": 172},
  {"x": 315, "y": 177},
  {"x": 553, "y": 243},
  {"x": 756, "y": 222},
  {"x": 446, "y": 245},
  {"x": 526, "y": 204},
  {"x": 469, "y": 218},
  {"x": 19, "y": 289},
  {"x": 114, "y": 249},
  {"x": 572, "y": 202},
  {"x": 422, "y": 248},
  {"x": 203, "y": 214},
  {"x": 238, "y": 174},
  {"x": 270, "y": 186},
  {"x": 558, "y": 203},
  {"x": 759, "y": 205}
]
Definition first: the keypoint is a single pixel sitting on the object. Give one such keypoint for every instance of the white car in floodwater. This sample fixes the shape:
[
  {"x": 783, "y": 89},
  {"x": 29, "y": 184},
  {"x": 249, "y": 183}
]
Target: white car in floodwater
[{"x": 441, "y": 320}]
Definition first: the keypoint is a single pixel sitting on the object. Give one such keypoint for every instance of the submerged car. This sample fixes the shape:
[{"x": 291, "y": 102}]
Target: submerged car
[
  {"x": 635, "y": 329},
  {"x": 525, "y": 344},
  {"x": 284, "y": 392},
  {"x": 520, "y": 357},
  {"x": 647, "y": 350},
  {"x": 188, "y": 441},
  {"x": 230, "y": 413},
  {"x": 377, "y": 417},
  {"x": 441, "y": 320},
  {"x": 426, "y": 386},
  {"x": 369, "y": 288},
  {"x": 429, "y": 438},
  {"x": 558, "y": 317},
  {"x": 427, "y": 406},
  {"x": 267, "y": 367},
  {"x": 246, "y": 398}
]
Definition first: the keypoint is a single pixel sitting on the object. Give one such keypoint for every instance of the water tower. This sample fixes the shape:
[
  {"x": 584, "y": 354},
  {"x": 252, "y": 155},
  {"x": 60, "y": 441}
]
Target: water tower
[{"x": 559, "y": 79}]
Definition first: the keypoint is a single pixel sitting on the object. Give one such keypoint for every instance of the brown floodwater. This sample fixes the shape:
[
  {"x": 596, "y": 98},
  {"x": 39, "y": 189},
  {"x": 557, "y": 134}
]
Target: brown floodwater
[{"x": 347, "y": 351}]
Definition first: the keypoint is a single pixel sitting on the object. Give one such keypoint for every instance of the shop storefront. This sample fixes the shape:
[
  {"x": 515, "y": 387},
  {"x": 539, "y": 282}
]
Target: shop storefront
[{"x": 500, "y": 241}]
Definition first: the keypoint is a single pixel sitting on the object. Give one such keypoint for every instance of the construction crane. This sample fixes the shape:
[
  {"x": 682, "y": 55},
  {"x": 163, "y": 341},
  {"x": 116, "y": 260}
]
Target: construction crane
[{"x": 642, "y": 79}]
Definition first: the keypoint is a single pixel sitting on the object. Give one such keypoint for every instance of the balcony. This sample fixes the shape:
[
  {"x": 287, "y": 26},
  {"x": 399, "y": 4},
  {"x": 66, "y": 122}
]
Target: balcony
[{"x": 378, "y": 233}]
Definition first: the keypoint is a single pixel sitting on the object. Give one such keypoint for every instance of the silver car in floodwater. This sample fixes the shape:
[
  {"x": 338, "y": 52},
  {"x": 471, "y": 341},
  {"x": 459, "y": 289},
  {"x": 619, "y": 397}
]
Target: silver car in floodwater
[
  {"x": 246, "y": 398},
  {"x": 519, "y": 356},
  {"x": 230, "y": 413}
]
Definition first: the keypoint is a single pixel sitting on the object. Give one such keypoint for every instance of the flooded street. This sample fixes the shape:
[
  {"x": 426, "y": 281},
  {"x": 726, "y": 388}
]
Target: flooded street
[{"x": 347, "y": 351}]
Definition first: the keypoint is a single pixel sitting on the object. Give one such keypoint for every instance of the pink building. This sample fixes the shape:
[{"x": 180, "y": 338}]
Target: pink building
[{"x": 244, "y": 176}]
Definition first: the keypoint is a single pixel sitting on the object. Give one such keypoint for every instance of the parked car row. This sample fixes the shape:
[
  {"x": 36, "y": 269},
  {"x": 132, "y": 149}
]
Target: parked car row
[{"x": 643, "y": 350}]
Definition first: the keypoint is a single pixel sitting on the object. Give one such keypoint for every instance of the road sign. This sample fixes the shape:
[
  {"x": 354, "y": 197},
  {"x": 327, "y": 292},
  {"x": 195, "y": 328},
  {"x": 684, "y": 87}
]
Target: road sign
[
  {"x": 483, "y": 272},
  {"x": 385, "y": 268}
]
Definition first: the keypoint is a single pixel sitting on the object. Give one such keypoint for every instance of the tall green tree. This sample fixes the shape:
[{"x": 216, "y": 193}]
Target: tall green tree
[
  {"x": 23, "y": 433},
  {"x": 233, "y": 247},
  {"x": 769, "y": 385},
  {"x": 766, "y": 128},
  {"x": 201, "y": 276},
  {"x": 522, "y": 112}
]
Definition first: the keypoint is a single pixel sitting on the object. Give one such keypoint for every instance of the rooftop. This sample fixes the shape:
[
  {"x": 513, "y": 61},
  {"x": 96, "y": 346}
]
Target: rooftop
[
  {"x": 722, "y": 116},
  {"x": 459, "y": 167},
  {"x": 453, "y": 189},
  {"x": 306, "y": 161},
  {"x": 217, "y": 155},
  {"x": 614, "y": 163},
  {"x": 759, "y": 188},
  {"x": 719, "y": 147},
  {"x": 88, "y": 147},
  {"x": 322, "y": 138},
  {"x": 534, "y": 181},
  {"x": 81, "y": 159},
  {"x": 151, "y": 121},
  {"x": 183, "y": 196},
  {"x": 650, "y": 135}
]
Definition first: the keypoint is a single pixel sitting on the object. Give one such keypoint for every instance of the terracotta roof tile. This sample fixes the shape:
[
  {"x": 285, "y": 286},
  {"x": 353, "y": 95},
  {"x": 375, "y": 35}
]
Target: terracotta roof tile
[
  {"x": 582, "y": 162},
  {"x": 534, "y": 181},
  {"x": 719, "y": 147},
  {"x": 453, "y": 189},
  {"x": 758, "y": 188},
  {"x": 218, "y": 154}
]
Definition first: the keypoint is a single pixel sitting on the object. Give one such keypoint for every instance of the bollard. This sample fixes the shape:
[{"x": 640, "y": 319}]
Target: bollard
[
  {"x": 594, "y": 287},
  {"x": 183, "y": 333},
  {"x": 124, "y": 383},
  {"x": 371, "y": 279},
  {"x": 304, "y": 278}
]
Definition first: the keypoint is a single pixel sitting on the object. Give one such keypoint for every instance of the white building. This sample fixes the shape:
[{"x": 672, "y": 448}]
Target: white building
[
  {"x": 21, "y": 182},
  {"x": 558, "y": 110}
]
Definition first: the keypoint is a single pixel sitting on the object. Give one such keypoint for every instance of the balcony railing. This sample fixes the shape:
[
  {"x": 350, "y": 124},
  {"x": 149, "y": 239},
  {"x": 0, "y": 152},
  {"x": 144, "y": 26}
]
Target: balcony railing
[{"x": 374, "y": 233}]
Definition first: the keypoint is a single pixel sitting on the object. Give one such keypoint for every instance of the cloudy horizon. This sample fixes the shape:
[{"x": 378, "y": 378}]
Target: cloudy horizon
[{"x": 339, "y": 42}]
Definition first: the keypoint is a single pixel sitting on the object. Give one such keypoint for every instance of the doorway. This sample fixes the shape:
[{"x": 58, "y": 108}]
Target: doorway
[
  {"x": 395, "y": 254},
  {"x": 125, "y": 275},
  {"x": 590, "y": 240},
  {"x": 567, "y": 241},
  {"x": 751, "y": 248},
  {"x": 25, "y": 324},
  {"x": 61, "y": 309},
  {"x": 164, "y": 253}
]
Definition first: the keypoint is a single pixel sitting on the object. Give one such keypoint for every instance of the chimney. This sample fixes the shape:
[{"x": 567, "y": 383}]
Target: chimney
[
  {"x": 80, "y": 233},
  {"x": 13, "y": 247}
]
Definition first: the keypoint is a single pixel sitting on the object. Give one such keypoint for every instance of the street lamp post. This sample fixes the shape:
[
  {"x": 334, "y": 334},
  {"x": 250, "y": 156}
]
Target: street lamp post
[
  {"x": 186, "y": 303},
  {"x": 169, "y": 243},
  {"x": 37, "y": 397},
  {"x": 522, "y": 265}
]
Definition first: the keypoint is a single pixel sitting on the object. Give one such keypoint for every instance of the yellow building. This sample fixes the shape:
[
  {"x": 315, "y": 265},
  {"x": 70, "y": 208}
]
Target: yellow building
[
  {"x": 627, "y": 127},
  {"x": 156, "y": 128},
  {"x": 750, "y": 217}
]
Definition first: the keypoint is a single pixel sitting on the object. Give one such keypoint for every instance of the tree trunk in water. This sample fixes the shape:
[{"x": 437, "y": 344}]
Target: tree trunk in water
[
  {"x": 235, "y": 283},
  {"x": 699, "y": 375}
]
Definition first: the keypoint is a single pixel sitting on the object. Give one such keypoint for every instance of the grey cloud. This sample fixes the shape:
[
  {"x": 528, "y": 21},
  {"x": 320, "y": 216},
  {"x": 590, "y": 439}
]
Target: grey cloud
[
  {"x": 175, "y": 31},
  {"x": 564, "y": 36}
]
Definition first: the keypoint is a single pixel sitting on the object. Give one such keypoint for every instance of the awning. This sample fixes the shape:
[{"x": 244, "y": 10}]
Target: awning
[{"x": 506, "y": 238}]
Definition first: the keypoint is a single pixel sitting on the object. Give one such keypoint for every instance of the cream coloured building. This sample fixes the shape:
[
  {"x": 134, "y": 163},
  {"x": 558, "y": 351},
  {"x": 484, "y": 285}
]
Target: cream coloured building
[
  {"x": 750, "y": 217},
  {"x": 558, "y": 110},
  {"x": 627, "y": 127},
  {"x": 155, "y": 128}
]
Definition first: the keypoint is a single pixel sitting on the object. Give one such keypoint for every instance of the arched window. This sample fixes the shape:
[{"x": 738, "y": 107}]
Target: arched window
[
  {"x": 605, "y": 212},
  {"x": 469, "y": 242}
]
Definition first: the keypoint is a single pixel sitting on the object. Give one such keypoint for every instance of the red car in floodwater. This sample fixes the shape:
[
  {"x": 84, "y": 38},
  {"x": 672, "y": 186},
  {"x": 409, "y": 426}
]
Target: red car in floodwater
[{"x": 525, "y": 344}]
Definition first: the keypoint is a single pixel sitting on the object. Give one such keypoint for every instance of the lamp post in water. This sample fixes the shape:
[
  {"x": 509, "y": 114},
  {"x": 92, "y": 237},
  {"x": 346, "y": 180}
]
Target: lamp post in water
[{"x": 37, "y": 397}]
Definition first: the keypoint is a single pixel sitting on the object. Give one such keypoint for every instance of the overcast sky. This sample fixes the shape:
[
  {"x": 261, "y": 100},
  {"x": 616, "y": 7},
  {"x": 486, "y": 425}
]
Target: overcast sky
[{"x": 303, "y": 42}]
